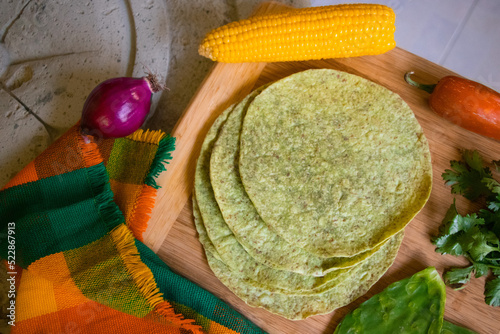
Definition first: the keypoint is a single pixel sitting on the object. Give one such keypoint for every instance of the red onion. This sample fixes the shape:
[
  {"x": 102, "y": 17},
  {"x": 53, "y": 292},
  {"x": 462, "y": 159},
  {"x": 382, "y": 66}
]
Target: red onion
[{"x": 118, "y": 107}]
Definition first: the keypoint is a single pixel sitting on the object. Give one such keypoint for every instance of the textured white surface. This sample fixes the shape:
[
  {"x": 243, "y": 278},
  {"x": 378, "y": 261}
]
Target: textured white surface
[{"x": 53, "y": 53}]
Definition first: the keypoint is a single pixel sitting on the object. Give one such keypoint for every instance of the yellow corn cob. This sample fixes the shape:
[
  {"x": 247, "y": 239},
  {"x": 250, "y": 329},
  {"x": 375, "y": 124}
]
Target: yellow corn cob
[{"x": 304, "y": 34}]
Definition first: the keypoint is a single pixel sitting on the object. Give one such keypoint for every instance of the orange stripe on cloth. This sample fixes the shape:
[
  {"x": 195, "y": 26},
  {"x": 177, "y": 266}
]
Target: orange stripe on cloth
[
  {"x": 28, "y": 174},
  {"x": 90, "y": 151},
  {"x": 105, "y": 147},
  {"x": 55, "y": 269},
  {"x": 45, "y": 287},
  {"x": 142, "y": 211},
  {"x": 62, "y": 156},
  {"x": 35, "y": 297},
  {"x": 215, "y": 327},
  {"x": 136, "y": 202},
  {"x": 92, "y": 317},
  {"x": 68, "y": 153},
  {"x": 125, "y": 195}
]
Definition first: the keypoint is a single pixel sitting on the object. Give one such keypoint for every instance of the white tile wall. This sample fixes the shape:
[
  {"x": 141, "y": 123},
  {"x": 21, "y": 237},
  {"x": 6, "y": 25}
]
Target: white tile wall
[{"x": 461, "y": 35}]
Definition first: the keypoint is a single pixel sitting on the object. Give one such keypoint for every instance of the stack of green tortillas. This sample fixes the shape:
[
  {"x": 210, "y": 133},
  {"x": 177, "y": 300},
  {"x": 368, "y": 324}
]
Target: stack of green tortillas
[{"x": 303, "y": 189}]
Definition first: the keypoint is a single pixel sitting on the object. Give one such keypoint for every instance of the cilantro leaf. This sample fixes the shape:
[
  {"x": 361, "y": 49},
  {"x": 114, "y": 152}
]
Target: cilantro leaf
[
  {"x": 475, "y": 236},
  {"x": 473, "y": 159},
  {"x": 464, "y": 223},
  {"x": 492, "y": 292},
  {"x": 492, "y": 219},
  {"x": 448, "y": 244},
  {"x": 494, "y": 206},
  {"x": 456, "y": 233},
  {"x": 492, "y": 185},
  {"x": 453, "y": 222},
  {"x": 465, "y": 177},
  {"x": 492, "y": 238},
  {"x": 475, "y": 242},
  {"x": 480, "y": 269},
  {"x": 458, "y": 276}
]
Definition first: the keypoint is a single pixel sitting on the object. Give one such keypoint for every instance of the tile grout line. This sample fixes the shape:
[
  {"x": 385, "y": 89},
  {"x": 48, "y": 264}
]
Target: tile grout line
[{"x": 456, "y": 34}]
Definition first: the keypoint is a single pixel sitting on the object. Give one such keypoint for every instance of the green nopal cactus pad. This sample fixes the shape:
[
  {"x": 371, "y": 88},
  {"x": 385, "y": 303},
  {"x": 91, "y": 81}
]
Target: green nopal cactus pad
[
  {"x": 412, "y": 305},
  {"x": 449, "y": 328}
]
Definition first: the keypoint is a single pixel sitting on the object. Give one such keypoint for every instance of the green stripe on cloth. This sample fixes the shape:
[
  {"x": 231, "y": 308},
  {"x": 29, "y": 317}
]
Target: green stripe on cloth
[
  {"x": 49, "y": 219},
  {"x": 184, "y": 294}
]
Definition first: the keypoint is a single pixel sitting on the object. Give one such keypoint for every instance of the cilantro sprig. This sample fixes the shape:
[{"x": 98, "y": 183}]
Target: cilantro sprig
[
  {"x": 465, "y": 177},
  {"x": 475, "y": 236}
]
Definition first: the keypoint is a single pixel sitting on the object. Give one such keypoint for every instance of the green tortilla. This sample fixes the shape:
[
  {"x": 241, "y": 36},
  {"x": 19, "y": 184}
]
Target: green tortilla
[
  {"x": 334, "y": 163},
  {"x": 354, "y": 284},
  {"x": 260, "y": 242},
  {"x": 318, "y": 285},
  {"x": 202, "y": 231},
  {"x": 223, "y": 240}
]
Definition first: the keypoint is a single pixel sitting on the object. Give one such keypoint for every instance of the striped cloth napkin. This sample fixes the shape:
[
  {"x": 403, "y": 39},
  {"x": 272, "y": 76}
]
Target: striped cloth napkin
[{"x": 71, "y": 226}]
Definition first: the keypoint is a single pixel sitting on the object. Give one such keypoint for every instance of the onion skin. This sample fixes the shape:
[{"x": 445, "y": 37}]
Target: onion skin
[{"x": 118, "y": 107}]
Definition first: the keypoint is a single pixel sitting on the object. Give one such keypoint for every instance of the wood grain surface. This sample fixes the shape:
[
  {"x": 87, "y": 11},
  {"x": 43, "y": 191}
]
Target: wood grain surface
[{"x": 173, "y": 236}]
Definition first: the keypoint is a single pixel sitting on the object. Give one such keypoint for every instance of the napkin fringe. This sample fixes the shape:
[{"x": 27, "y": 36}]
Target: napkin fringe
[
  {"x": 114, "y": 219},
  {"x": 165, "y": 309},
  {"x": 144, "y": 279},
  {"x": 162, "y": 158},
  {"x": 141, "y": 274},
  {"x": 143, "y": 208},
  {"x": 148, "y": 136},
  {"x": 110, "y": 213},
  {"x": 122, "y": 236}
]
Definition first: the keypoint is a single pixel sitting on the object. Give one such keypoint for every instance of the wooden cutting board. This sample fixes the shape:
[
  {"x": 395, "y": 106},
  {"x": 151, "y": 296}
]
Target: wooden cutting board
[{"x": 172, "y": 235}]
